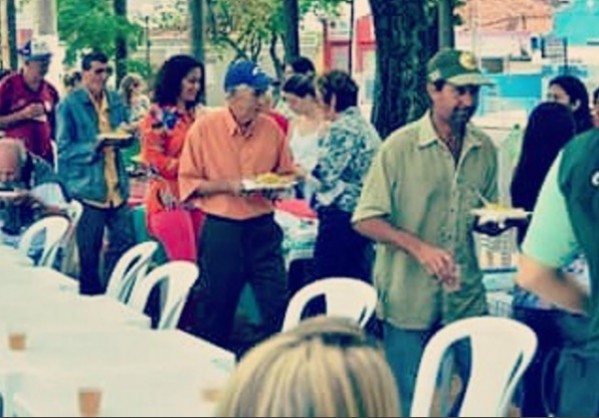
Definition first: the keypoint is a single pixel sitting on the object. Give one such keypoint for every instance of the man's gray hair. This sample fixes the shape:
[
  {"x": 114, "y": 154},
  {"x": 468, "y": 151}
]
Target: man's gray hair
[{"x": 229, "y": 93}]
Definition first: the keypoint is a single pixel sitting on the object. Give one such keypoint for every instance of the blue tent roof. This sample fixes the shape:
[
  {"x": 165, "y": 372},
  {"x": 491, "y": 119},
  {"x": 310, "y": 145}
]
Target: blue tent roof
[{"x": 577, "y": 22}]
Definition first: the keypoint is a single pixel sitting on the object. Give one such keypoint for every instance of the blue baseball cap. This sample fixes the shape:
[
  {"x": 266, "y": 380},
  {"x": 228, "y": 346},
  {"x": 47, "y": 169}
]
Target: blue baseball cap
[{"x": 246, "y": 72}]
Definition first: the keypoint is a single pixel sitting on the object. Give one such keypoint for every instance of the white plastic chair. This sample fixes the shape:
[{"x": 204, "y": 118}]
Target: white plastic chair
[
  {"x": 54, "y": 229},
  {"x": 131, "y": 267},
  {"x": 177, "y": 278},
  {"x": 344, "y": 296},
  {"x": 502, "y": 349},
  {"x": 74, "y": 211},
  {"x": 68, "y": 243}
]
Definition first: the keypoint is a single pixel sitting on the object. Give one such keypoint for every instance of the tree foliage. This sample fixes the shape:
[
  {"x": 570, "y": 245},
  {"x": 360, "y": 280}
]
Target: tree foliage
[
  {"x": 91, "y": 24},
  {"x": 402, "y": 31},
  {"x": 407, "y": 35},
  {"x": 243, "y": 26},
  {"x": 248, "y": 27},
  {"x": 171, "y": 15}
]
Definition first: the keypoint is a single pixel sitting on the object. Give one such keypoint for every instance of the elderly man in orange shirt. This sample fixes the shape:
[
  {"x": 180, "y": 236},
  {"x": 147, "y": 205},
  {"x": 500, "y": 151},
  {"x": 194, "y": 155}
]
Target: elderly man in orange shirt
[{"x": 240, "y": 240}]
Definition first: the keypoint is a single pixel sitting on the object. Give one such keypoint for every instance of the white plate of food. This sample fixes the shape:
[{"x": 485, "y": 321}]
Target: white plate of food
[
  {"x": 116, "y": 135},
  {"x": 498, "y": 212},
  {"x": 268, "y": 181}
]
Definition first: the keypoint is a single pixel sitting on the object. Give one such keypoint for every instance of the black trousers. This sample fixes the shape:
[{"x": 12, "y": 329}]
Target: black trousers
[
  {"x": 235, "y": 253},
  {"x": 339, "y": 250},
  {"x": 90, "y": 236}
]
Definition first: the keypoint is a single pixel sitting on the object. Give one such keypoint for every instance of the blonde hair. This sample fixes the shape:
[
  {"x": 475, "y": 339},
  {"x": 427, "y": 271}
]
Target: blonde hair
[
  {"x": 325, "y": 367},
  {"x": 128, "y": 83}
]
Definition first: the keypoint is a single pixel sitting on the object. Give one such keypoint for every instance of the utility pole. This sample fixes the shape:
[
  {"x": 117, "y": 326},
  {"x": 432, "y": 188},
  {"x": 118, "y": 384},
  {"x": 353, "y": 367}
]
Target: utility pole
[
  {"x": 148, "y": 42},
  {"x": 120, "y": 40},
  {"x": 196, "y": 35},
  {"x": 46, "y": 13},
  {"x": 445, "y": 19},
  {"x": 3, "y": 35},
  {"x": 352, "y": 26},
  {"x": 46, "y": 27},
  {"x": 196, "y": 29},
  {"x": 291, "y": 33},
  {"x": 8, "y": 34}
]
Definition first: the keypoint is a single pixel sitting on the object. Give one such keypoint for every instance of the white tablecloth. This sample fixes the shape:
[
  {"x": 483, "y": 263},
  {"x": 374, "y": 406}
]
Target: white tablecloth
[
  {"x": 11, "y": 256},
  {"x": 133, "y": 366},
  {"x": 42, "y": 308},
  {"x": 146, "y": 393},
  {"x": 16, "y": 275}
]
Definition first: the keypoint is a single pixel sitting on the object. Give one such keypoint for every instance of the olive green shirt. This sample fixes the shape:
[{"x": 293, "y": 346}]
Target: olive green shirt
[{"x": 415, "y": 185}]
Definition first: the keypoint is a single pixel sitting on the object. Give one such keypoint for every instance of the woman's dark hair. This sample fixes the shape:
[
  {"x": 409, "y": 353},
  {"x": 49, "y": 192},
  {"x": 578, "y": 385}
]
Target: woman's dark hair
[
  {"x": 301, "y": 85},
  {"x": 577, "y": 92},
  {"x": 167, "y": 87},
  {"x": 338, "y": 83},
  {"x": 550, "y": 126},
  {"x": 302, "y": 65},
  {"x": 72, "y": 80}
]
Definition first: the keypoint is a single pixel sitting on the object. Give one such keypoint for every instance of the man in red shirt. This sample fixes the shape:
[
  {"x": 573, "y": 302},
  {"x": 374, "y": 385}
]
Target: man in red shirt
[{"x": 28, "y": 102}]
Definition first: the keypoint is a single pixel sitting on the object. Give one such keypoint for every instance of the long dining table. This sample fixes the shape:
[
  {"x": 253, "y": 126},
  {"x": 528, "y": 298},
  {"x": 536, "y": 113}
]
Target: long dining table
[
  {"x": 140, "y": 373},
  {"x": 72, "y": 340}
]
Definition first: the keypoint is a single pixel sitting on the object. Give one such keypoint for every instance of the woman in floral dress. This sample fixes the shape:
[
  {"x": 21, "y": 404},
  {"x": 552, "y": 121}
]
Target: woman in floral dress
[{"x": 179, "y": 84}]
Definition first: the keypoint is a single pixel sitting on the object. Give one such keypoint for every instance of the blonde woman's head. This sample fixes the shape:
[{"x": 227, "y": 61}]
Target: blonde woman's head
[
  {"x": 130, "y": 85},
  {"x": 325, "y": 367}
]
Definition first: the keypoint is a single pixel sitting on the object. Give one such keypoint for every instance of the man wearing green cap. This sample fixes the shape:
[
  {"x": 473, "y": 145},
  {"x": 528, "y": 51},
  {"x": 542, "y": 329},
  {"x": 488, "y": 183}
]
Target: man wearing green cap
[{"x": 416, "y": 204}]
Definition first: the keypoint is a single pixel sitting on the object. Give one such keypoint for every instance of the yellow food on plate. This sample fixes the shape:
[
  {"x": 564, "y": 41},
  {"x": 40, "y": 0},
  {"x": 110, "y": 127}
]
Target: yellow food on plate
[
  {"x": 497, "y": 206},
  {"x": 273, "y": 178}
]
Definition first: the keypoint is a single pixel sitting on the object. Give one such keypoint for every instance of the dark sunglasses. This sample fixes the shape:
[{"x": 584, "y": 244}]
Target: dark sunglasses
[{"x": 105, "y": 70}]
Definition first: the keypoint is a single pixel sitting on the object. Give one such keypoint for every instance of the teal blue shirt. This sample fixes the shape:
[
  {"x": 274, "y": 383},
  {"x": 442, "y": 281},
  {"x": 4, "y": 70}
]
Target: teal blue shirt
[{"x": 550, "y": 238}]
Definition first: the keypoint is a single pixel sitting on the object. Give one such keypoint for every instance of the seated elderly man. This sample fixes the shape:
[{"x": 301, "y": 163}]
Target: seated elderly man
[{"x": 29, "y": 190}]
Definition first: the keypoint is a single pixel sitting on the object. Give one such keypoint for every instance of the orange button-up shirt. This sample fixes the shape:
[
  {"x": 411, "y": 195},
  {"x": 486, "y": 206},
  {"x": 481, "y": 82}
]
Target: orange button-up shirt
[{"x": 216, "y": 149}]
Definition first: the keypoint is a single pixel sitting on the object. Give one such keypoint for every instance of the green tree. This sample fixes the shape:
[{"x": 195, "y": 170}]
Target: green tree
[
  {"x": 402, "y": 31},
  {"x": 408, "y": 33},
  {"x": 244, "y": 27},
  {"x": 174, "y": 16},
  {"x": 248, "y": 27},
  {"x": 92, "y": 24}
]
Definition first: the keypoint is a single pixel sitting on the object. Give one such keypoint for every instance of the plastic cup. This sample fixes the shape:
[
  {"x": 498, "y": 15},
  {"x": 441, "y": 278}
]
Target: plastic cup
[
  {"x": 17, "y": 340},
  {"x": 89, "y": 401},
  {"x": 212, "y": 386}
]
